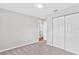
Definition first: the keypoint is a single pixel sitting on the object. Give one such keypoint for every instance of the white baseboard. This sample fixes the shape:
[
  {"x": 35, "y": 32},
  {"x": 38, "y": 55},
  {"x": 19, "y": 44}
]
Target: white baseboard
[
  {"x": 16, "y": 47},
  {"x": 49, "y": 44},
  {"x": 66, "y": 50}
]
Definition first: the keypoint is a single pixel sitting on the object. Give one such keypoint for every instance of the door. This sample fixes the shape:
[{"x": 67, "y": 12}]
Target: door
[{"x": 58, "y": 32}]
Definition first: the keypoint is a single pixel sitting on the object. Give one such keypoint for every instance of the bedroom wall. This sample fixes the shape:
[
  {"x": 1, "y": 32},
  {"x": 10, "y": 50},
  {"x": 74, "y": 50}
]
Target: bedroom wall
[
  {"x": 17, "y": 29},
  {"x": 49, "y": 31}
]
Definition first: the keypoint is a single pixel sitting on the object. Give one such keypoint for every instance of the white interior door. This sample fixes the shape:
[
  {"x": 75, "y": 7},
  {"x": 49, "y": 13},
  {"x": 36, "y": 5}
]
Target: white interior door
[
  {"x": 72, "y": 33},
  {"x": 58, "y": 32},
  {"x": 45, "y": 30}
]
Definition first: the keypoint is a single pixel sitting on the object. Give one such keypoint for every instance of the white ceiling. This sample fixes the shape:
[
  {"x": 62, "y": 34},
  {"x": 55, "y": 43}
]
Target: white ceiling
[{"x": 31, "y": 8}]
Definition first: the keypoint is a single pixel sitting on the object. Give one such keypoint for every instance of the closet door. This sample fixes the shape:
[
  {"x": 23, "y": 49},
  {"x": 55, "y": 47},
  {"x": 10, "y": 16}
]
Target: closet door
[
  {"x": 58, "y": 32},
  {"x": 72, "y": 33}
]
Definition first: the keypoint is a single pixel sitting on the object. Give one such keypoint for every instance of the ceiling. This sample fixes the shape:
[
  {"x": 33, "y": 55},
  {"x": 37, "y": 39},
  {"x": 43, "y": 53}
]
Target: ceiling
[{"x": 31, "y": 8}]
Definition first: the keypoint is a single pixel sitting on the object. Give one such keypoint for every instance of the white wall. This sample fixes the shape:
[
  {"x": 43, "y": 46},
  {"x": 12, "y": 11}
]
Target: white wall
[
  {"x": 17, "y": 29},
  {"x": 58, "y": 32},
  {"x": 49, "y": 31}
]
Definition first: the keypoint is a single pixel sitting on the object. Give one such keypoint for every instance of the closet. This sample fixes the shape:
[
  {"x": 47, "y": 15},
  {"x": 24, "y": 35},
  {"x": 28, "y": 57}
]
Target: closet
[{"x": 63, "y": 29}]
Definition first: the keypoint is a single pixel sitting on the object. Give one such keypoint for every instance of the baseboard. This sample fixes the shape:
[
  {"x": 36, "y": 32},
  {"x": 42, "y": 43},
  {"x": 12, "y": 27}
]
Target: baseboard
[
  {"x": 16, "y": 47},
  {"x": 65, "y": 50},
  {"x": 72, "y": 52},
  {"x": 49, "y": 44}
]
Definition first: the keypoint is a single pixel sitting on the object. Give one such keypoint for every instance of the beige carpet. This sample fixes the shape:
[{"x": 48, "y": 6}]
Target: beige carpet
[{"x": 37, "y": 49}]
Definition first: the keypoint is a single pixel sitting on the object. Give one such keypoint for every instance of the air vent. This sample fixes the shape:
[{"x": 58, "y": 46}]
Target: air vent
[{"x": 55, "y": 10}]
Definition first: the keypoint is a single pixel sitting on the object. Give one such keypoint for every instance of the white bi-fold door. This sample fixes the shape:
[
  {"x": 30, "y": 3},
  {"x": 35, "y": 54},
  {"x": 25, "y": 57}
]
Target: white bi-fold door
[
  {"x": 72, "y": 33},
  {"x": 58, "y": 32}
]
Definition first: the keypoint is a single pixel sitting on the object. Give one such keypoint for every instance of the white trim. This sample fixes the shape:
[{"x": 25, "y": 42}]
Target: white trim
[{"x": 16, "y": 47}]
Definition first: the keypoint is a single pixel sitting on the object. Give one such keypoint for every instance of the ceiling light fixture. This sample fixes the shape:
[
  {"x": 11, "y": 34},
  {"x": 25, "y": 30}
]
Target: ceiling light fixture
[{"x": 39, "y": 5}]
